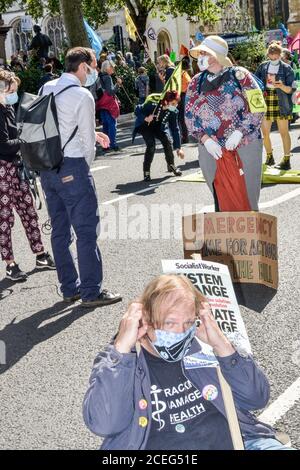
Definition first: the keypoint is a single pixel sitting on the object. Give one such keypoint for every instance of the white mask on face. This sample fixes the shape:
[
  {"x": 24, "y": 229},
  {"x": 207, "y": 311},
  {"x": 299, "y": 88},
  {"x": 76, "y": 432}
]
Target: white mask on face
[
  {"x": 203, "y": 62},
  {"x": 11, "y": 99},
  {"x": 274, "y": 62},
  {"x": 91, "y": 77}
]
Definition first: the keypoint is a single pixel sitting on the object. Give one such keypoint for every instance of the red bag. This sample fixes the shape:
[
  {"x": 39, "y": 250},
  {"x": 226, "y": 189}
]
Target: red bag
[
  {"x": 229, "y": 183},
  {"x": 110, "y": 104}
]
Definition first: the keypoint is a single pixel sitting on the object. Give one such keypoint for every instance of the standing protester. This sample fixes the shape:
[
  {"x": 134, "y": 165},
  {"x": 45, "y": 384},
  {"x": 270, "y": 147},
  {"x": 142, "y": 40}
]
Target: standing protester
[
  {"x": 218, "y": 115},
  {"x": 40, "y": 43},
  {"x": 159, "y": 126},
  {"x": 15, "y": 193},
  {"x": 48, "y": 75},
  {"x": 56, "y": 63},
  {"x": 108, "y": 104},
  {"x": 166, "y": 67},
  {"x": 279, "y": 79},
  {"x": 70, "y": 192},
  {"x": 142, "y": 85},
  {"x": 144, "y": 394},
  {"x": 185, "y": 81},
  {"x": 129, "y": 60}
]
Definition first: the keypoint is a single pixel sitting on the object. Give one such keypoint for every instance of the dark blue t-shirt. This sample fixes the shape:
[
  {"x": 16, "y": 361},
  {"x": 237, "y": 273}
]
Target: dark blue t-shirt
[{"x": 182, "y": 419}]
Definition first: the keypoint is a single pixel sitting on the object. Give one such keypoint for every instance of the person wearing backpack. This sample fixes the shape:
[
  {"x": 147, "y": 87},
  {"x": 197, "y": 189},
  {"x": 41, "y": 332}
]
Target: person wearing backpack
[
  {"x": 218, "y": 114},
  {"x": 14, "y": 193},
  {"x": 70, "y": 190}
]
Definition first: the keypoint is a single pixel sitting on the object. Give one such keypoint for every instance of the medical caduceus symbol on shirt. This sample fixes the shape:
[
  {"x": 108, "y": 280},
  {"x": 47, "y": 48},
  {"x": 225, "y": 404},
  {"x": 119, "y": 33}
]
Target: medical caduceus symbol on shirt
[{"x": 159, "y": 407}]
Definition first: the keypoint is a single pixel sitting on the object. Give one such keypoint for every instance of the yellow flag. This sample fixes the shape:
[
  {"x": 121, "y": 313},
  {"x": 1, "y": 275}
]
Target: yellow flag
[
  {"x": 174, "y": 82},
  {"x": 256, "y": 101},
  {"x": 130, "y": 26}
]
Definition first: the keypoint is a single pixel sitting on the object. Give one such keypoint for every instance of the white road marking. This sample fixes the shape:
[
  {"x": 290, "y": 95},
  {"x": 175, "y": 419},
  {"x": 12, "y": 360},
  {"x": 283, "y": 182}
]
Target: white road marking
[
  {"x": 97, "y": 168},
  {"x": 282, "y": 404}
]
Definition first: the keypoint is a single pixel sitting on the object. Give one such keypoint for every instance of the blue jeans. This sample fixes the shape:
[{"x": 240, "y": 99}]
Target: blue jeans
[
  {"x": 265, "y": 443},
  {"x": 72, "y": 202},
  {"x": 109, "y": 127}
]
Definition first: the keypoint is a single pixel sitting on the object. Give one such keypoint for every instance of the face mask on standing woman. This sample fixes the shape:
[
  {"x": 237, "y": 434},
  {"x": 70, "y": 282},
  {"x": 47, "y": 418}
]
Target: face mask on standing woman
[{"x": 11, "y": 99}]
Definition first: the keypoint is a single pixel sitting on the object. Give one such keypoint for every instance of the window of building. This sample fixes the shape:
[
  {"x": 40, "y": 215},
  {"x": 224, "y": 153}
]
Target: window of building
[
  {"x": 56, "y": 32},
  {"x": 20, "y": 40}
]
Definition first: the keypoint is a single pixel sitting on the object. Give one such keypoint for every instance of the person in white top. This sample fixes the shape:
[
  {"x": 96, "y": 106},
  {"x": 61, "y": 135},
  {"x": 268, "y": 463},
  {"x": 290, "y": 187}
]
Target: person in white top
[{"x": 70, "y": 192}]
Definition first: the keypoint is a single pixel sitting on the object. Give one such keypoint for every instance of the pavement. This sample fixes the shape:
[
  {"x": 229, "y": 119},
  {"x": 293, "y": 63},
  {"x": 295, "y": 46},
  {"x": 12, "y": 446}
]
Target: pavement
[{"x": 50, "y": 347}]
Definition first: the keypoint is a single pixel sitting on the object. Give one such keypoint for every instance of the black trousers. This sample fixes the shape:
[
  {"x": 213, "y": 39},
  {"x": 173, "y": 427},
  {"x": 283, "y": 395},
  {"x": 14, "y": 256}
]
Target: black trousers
[
  {"x": 150, "y": 133},
  {"x": 181, "y": 116}
]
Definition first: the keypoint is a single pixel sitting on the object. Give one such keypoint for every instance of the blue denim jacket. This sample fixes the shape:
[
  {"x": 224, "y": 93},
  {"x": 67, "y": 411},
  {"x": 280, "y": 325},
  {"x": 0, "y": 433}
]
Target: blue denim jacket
[
  {"x": 169, "y": 125},
  {"x": 287, "y": 76},
  {"x": 119, "y": 381}
]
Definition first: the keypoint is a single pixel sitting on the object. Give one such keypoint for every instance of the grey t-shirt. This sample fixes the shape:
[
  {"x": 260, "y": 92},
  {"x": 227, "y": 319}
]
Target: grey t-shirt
[{"x": 141, "y": 84}]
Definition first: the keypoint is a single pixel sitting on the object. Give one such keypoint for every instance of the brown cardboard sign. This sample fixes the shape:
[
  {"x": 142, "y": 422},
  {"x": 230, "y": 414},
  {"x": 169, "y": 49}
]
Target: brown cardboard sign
[{"x": 245, "y": 241}]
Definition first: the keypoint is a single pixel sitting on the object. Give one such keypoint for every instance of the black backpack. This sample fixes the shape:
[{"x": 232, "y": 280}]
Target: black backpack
[{"x": 38, "y": 132}]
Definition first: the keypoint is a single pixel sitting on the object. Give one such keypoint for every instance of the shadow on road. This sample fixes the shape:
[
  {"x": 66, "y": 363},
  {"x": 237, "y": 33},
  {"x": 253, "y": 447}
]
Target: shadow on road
[
  {"x": 19, "y": 338},
  {"x": 134, "y": 186}
]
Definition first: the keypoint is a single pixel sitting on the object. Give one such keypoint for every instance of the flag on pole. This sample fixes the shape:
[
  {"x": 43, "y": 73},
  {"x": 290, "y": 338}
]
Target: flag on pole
[
  {"x": 174, "y": 82},
  {"x": 150, "y": 33},
  {"x": 94, "y": 39},
  {"x": 183, "y": 50},
  {"x": 130, "y": 26}
]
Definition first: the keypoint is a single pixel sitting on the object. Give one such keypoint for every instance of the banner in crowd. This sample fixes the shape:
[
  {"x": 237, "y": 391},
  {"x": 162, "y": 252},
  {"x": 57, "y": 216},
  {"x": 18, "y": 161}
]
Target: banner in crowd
[
  {"x": 150, "y": 33},
  {"x": 26, "y": 24},
  {"x": 246, "y": 242},
  {"x": 214, "y": 282}
]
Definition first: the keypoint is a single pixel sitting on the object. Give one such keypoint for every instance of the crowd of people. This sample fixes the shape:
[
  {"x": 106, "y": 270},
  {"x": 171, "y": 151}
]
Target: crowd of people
[{"x": 158, "y": 331}]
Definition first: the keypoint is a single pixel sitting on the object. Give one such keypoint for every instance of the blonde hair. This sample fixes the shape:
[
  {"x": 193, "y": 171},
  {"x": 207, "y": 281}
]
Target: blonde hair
[
  {"x": 165, "y": 59},
  {"x": 157, "y": 291},
  {"x": 7, "y": 78},
  {"x": 274, "y": 48}
]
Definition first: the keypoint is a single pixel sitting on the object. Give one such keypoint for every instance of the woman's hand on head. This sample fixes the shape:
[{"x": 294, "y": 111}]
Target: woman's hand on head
[
  {"x": 210, "y": 333},
  {"x": 132, "y": 328}
]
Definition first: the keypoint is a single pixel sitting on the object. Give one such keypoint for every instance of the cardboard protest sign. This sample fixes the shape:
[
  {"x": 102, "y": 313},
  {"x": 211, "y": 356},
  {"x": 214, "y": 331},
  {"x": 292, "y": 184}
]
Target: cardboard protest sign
[
  {"x": 213, "y": 280},
  {"x": 246, "y": 242}
]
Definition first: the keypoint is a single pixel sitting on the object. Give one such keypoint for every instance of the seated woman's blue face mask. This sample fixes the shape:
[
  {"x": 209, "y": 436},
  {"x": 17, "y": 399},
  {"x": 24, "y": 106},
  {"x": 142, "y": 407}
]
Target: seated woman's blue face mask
[
  {"x": 173, "y": 336},
  {"x": 172, "y": 346}
]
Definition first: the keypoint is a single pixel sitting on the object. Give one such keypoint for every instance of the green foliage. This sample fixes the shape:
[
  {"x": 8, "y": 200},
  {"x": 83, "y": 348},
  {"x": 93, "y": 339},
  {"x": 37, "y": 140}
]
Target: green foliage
[
  {"x": 251, "y": 53},
  {"x": 128, "y": 75},
  {"x": 30, "y": 77},
  {"x": 151, "y": 71}
]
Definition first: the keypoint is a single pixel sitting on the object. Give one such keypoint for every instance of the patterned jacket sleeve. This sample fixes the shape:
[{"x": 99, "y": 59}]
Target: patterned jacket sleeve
[
  {"x": 248, "y": 121},
  {"x": 193, "y": 122}
]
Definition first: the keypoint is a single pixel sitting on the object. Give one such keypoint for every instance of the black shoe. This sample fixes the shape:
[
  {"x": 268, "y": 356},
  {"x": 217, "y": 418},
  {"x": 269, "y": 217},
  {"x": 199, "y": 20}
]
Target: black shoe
[
  {"x": 147, "y": 176},
  {"x": 14, "y": 273},
  {"x": 285, "y": 164},
  {"x": 105, "y": 298},
  {"x": 45, "y": 261},
  {"x": 71, "y": 300},
  {"x": 270, "y": 160},
  {"x": 116, "y": 149},
  {"x": 174, "y": 169}
]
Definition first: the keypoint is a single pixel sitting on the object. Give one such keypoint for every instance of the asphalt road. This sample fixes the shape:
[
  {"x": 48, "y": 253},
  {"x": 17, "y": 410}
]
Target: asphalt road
[{"x": 50, "y": 347}]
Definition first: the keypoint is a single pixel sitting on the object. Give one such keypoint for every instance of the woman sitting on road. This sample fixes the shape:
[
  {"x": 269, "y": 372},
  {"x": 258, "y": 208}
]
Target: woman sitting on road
[{"x": 144, "y": 393}]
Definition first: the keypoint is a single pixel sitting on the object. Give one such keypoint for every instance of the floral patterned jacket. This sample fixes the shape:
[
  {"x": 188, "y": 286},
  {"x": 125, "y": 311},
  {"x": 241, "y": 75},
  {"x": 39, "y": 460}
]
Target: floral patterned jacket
[{"x": 219, "y": 111}]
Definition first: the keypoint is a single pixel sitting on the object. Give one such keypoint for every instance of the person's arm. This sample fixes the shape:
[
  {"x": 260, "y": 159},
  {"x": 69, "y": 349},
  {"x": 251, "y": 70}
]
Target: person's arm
[
  {"x": 8, "y": 147},
  {"x": 175, "y": 131},
  {"x": 108, "y": 402},
  {"x": 193, "y": 122},
  {"x": 247, "y": 120},
  {"x": 289, "y": 86},
  {"x": 249, "y": 385},
  {"x": 108, "y": 85},
  {"x": 86, "y": 126}
]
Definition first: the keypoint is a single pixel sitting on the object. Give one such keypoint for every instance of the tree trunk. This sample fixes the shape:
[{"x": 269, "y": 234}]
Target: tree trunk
[{"x": 73, "y": 21}]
